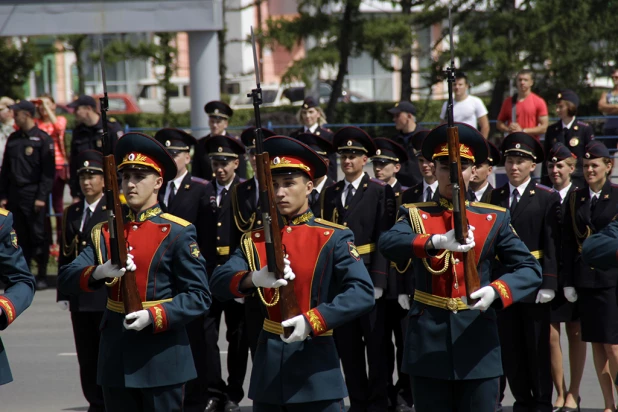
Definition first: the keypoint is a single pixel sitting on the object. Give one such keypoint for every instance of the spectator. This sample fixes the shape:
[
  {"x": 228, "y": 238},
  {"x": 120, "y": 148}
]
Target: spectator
[
  {"x": 55, "y": 126},
  {"x": 530, "y": 109},
  {"x": 608, "y": 106},
  {"x": 467, "y": 109},
  {"x": 7, "y": 122}
]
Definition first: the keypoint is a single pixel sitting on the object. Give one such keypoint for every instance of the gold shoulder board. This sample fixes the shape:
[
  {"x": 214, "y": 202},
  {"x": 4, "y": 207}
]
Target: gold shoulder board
[
  {"x": 95, "y": 234},
  {"x": 423, "y": 204},
  {"x": 4, "y": 212},
  {"x": 329, "y": 223},
  {"x": 488, "y": 206},
  {"x": 175, "y": 219}
]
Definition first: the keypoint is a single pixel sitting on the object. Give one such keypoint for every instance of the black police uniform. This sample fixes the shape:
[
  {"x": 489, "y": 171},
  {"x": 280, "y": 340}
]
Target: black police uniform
[
  {"x": 367, "y": 216},
  {"x": 492, "y": 160},
  {"x": 200, "y": 164},
  {"x": 219, "y": 224},
  {"x": 596, "y": 286},
  {"x": 189, "y": 202},
  {"x": 324, "y": 148},
  {"x": 524, "y": 327},
  {"x": 400, "y": 393},
  {"x": 87, "y": 309},
  {"x": 27, "y": 174},
  {"x": 324, "y": 133}
]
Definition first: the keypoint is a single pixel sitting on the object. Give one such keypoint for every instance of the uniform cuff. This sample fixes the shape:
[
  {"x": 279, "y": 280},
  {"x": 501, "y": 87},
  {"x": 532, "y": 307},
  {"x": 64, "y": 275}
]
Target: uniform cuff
[
  {"x": 504, "y": 291},
  {"x": 8, "y": 309},
  {"x": 84, "y": 278},
  {"x": 418, "y": 245},
  {"x": 316, "y": 321},
  {"x": 235, "y": 284},
  {"x": 159, "y": 318}
]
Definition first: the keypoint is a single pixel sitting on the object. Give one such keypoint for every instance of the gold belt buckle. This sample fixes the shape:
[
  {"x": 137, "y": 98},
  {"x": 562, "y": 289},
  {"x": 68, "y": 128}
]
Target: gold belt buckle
[{"x": 451, "y": 304}]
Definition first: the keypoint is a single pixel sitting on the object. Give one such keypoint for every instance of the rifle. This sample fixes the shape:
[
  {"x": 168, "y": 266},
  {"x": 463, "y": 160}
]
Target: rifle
[
  {"x": 471, "y": 275},
  {"x": 117, "y": 242},
  {"x": 288, "y": 304}
]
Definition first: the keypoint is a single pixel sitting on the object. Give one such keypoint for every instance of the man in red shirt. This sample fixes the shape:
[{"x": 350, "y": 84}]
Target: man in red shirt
[{"x": 531, "y": 110}]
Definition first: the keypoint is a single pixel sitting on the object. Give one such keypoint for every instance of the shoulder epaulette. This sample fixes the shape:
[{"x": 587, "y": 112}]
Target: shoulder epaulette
[
  {"x": 545, "y": 188},
  {"x": 175, "y": 219},
  {"x": 421, "y": 204},
  {"x": 4, "y": 212},
  {"x": 488, "y": 206},
  {"x": 582, "y": 123},
  {"x": 242, "y": 180},
  {"x": 404, "y": 188},
  {"x": 614, "y": 185},
  {"x": 329, "y": 223},
  {"x": 199, "y": 180},
  {"x": 378, "y": 181}
]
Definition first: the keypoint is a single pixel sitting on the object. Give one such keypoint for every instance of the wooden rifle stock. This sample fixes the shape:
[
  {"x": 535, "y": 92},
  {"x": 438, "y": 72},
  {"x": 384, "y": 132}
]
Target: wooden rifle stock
[{"x": 471, "y": 276}]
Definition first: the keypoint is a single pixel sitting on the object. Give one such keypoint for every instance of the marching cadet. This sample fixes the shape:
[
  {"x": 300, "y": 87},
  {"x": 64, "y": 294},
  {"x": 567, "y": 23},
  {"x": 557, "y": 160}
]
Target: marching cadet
[
  {"x": 137, "y": 350},
  {"x": 219, "y": 114},
  {"x": 569, "y": 131},
  {"x": 26, "y": 180},
  {"x": 312, "y": 117},
  {"x": 325, "y": 149},
  {"x": 19, "y": 285},
  {"x": 480, "y": 189},
  {"x": 186, "y": 197},
  {"x": 386, "y": 163},
  {"x": 86, "y": 309},
  {"x": 524, "y": 327},
  {"x": 302, "y": 372},
  {"x": 224, "y": 153},
  {"x": 361, "y": 203},
  {"x": 427, "y": 190},
  {"x": 560, "y": 165},
  {"x": 248, "y": 216},
  {"x": 590, "y": 209},
  {"x": 88, "y": 135},
  {"x": 452, "y": 349}
]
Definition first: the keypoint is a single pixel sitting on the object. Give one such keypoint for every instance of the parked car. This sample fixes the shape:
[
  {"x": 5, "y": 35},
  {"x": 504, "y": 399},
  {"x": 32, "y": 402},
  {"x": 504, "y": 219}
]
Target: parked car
[
  {"x": 120, "y": 103},
  {"x": 150, "y": 96}
]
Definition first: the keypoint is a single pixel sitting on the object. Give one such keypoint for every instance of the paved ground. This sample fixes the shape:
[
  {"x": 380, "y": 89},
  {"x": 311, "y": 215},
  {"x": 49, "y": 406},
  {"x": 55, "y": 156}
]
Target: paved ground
[{"x": 41, "y": 352}]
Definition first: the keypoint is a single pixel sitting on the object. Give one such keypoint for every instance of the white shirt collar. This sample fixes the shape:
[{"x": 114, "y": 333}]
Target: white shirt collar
[
  {"x": 394, "y": 183},
  {"x": 597, "y": 194},
  {"x": 433, "y": 186},
  {"x": 479, "y": 193},
  {"x": 563, "y": 192},
  {"x": 177, "y": 181},
  {"x": 521, "y": 188},
  {"x": 312, "y": 129},
  {"x": 92, "y": 206},
  {"x": 227, "y": 187},
  {"x": 355, "y": 183},
  {"x": 568, "y": 126},
  {"x": 321, "y": 185}
]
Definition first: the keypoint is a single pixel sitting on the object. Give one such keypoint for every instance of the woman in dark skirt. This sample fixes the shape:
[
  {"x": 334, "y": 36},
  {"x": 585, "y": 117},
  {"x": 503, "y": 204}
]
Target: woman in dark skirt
[
  {"x": 588, "y": 210},
  {"x": 560, "y": 165}
]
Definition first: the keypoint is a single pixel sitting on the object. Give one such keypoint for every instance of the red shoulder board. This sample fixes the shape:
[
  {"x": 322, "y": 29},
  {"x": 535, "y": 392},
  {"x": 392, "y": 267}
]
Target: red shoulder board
[
  {"x": 545, "y": 188},
  {"x": 378, "y": 181}
]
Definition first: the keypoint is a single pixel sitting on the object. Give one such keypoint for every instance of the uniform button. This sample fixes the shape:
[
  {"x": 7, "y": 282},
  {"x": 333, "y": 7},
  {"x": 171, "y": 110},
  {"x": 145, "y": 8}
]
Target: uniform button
[
  {"x": 489, "y": 217},
  {"x": 257, "y": 235},
  {"x": 164, "y": 229},
  {"x": 457, "y": 261},
  {"x": 424, "y": 216},
  {"x": 345, "y": 223},
  {"x": 218, "y": 237},
  {"x": 259, "y": 222},
  {"x": 84, "y": 243},
  {"x": 326, "y": 233},
  {"x": 288, "y": 229},
  {"x": 134, "y": 227},
  {"x": 219, "y": 224}
]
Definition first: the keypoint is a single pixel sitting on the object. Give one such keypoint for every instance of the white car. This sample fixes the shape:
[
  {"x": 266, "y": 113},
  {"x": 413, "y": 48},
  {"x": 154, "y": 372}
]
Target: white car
[{"x": 150, "y": 97}]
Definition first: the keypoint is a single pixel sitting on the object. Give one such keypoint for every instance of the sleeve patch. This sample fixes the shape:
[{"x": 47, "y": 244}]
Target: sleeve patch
[
  {"x": 159, "y": 318},
  {"x": 316, "y": 321},
  {"x": 195, "y": 250},
  {"x": 8, "y": 309},
  {"x": 353, "y": 251},
  {"x": 14, "y": 239},
  {"x": 504, "y": 291}
]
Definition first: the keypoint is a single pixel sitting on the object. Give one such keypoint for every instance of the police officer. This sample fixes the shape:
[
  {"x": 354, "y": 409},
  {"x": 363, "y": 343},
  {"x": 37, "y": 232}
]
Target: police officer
[
  {"x": 144, "y": 356},
  {"x": 325, "y": 149},
  {"x": 404, "y": 117},
  {"x": 20, "y": 285},
  {"x": 332, "y": 286},
  {"x": 590, "y": 209},
  {"x": 480, "y": 189},
  {"x": 569, "y": 131},
  {"x": 87, "y": 309},
  {"x": 452, "y": 349},
  {"x": 224, "y": 153},
  {"x": 26, "y": 180},
  {"x": 219, "y": 114},
  {"x": 88, "y": 135},
  {"x": 386, "y": 163},
  {"x": 312, "y": 117},
  {"x": 247, "y": 217},
  {"x": 427, "y": 189},
  {"x": 524, "y": 327},
  {"x": 186, "y": 197},
  {"x": 361, "y": 203}
]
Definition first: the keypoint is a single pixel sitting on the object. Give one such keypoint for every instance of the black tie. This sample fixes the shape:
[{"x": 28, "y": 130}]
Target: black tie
[
  {"x": 223, "y": 193},
  {"x": 593, "y": 203},
  {"x": 88, "y": 216},
  {"x": 170, "y": 198},
  {"x": 428, "y": 194},
  {"x": 471, "y": 195},
  {"x": 349, "y": 195},
  {"x": 314, "y": 197},
  {"x": 514, "y": 201}
]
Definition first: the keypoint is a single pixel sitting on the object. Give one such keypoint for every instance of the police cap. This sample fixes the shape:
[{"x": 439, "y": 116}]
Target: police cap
[
  {"x": 90, "y": 161},
  {"x": 224, "y": 147},
  {"x": 388, "y": 151},
  {"x": 523, "y": 145},
  {"x": 175, "y": 140},
  {"x": 351, "y": 139},
  {"x": 217, "y": 108},
  {"x": 596, "y": 150}
]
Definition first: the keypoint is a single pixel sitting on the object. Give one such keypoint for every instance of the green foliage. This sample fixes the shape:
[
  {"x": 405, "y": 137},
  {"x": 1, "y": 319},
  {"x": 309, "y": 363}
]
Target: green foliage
[
  {"x": 77, "y": 43},
  {"x": 15, "y": 66}
]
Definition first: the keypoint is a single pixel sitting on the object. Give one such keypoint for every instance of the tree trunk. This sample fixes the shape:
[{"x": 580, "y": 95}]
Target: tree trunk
[
  {"x": 406, "y": 60},
  {"x": 167, "y": 56}
]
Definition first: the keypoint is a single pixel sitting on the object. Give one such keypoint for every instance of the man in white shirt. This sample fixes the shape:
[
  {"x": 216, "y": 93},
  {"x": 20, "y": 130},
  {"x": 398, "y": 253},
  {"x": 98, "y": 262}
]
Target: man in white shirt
[{"x": 467, "y": 109}]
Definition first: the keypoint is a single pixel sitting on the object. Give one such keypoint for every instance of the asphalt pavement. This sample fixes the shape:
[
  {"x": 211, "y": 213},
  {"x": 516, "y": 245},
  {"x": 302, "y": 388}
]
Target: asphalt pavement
[{"x": 41, "y": 352}]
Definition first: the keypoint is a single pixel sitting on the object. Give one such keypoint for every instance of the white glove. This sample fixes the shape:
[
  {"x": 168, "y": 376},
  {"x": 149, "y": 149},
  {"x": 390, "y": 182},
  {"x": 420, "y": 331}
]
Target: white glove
[
  {"x": 142, "y": 319},
  {"x": 404, "y": 301},
  {"x": 545, "y": 295},
  {"x": 240, "y": 300},
  {"x": 301, "y": 329},
  {"x": 109, "y": 270},
  {"x": 265, "y": 279},
  {"x": 63, "y": 304},
  {"x": 448, "y": 242},
  {"x": 570, "y": 294},
  {"x": 486, "y": 295},
  {"x": 377, "y": 292}
]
